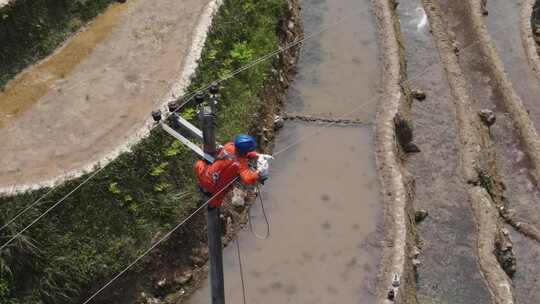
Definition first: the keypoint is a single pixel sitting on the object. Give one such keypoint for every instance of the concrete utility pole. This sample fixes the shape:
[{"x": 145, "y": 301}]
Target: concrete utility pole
[{"x": 207, "y": 116}]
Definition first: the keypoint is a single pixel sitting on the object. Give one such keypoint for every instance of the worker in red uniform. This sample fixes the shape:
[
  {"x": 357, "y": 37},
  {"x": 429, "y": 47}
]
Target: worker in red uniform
[{"x": 232, "y": 161}]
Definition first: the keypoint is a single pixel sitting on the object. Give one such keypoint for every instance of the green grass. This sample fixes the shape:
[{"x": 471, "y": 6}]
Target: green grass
[
  {"x": 32, "y": 29},
  {"x": 102, "y": 227}
]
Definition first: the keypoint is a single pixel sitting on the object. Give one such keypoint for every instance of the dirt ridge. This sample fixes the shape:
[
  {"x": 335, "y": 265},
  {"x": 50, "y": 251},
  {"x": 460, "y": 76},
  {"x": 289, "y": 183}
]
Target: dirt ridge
[
  {"x": 512, "y": 101},
  {"x": 472, "y": 140},
  {"x": 527, "y": 37},
  {"x": 189, "y": 66},
  {"x": 396, "y": 279}
]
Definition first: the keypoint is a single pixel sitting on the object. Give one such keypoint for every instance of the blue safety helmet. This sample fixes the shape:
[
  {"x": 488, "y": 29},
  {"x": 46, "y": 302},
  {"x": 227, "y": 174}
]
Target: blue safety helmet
[{"x": 244, "y": 144}]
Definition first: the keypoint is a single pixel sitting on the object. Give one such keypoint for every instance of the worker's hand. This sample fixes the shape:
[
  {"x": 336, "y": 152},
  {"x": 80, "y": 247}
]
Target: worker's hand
[
  {"x": 266, "y": 157},
  {"x": 262, "y": 169},
  {"x": 263, "y": 165}
]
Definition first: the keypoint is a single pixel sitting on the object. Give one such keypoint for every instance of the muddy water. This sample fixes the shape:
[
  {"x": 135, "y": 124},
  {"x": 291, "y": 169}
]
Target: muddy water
[
  {"x": 527, "y": 278},
  {"x": 323, "y": 195},
  {"x": 449, "y": 272},
  {"x": 503, "y": 23},
  {"x": 504, "y": 26},
  {"x": 512, "y": 163},
  {"x": 323, "y": 216},
  {"x": 335, "y": 73},
  {"x": 506, "y": 35}
]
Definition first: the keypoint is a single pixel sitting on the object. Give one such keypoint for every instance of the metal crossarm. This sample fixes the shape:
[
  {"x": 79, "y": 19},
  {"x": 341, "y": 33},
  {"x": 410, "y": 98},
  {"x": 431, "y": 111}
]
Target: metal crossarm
[
  {"x": 187, "y": 126},
  {"x": 195, "y": 148}
]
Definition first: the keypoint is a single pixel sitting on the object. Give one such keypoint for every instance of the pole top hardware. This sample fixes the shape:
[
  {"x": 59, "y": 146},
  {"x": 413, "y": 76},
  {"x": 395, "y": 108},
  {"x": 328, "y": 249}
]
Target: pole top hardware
[
  {"x": 199, "y": 98},
  {"x": 214, "y": 88},
  {"x": 173, "y": 106},
  {"x": 156, "y": 115}
]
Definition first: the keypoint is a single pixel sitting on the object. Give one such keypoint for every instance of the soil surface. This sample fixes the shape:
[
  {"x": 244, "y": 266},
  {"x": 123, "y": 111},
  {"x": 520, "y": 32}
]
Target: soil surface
[
  {"x": 503, "y": 23},
  {"x": 76, "y": 115},
  {"x": 178, "y": 266},
  {"x": 327, "y": 240},
  {"x": 323, "y": 195},
  {"x": 512, "y": 163},
  {"x": 505, "y": 33},
  {"x": 449, "y": 272}
]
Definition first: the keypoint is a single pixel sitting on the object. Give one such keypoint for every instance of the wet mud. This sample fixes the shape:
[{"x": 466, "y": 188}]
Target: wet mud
[
  {"x": 323, "y": 195},
  {"x": 527, "y": 278},
  {"x": 90, "y": 103},
  {"x": 448, "y": 272},
  {"x": 522, "y": 193},
  {"x": 503, "y": 23},
  {"x": 24, "y": 92},
  {"x": 475, "y": 157},
  {"x": 510, "y": 162}
]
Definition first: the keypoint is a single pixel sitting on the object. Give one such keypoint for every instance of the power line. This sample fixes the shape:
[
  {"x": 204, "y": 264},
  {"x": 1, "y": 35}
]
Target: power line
[
  {"x": 356, "y": 109},
  {"x": 49, "y": 209},
  {"x": 199, "y": 209},
  {"x": 188, "y": 99},
  {"x": 233, "y": 74},
  {"x": 275, "y": 154},
  {"x": 159, "y": 242},
  {"x": 206, "y": 203}
]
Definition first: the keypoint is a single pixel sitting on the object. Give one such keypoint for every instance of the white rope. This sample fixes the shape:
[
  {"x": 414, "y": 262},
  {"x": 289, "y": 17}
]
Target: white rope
[{"x": 267, "y": 234}]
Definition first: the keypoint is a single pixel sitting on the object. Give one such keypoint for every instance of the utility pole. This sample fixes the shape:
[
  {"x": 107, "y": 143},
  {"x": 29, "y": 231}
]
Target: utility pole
[{"x": 207, "y": 116}]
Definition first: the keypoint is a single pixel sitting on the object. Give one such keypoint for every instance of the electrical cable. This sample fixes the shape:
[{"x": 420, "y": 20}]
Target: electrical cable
[
  {"x": 48, "y": 209},
  {"x": 303, "y": 138},
  {"x": 309, "y": 135},
  {"x": 189, "y": 97},
  {"x": 267, "y": 56},
  {"x": 241, "y": 270},
  {"x": 206, "y": 203},
  {"x": 159, "y": 242}
]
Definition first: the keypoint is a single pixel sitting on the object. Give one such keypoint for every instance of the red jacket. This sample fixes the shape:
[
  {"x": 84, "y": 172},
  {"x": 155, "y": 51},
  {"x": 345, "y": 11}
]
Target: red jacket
[{"x": 215, "y": 177}]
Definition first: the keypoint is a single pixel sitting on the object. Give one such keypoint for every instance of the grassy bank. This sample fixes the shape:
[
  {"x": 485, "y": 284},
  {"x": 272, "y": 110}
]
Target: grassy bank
[
  {"x": 30, "y": 30},
  {"x": 110, "y": 220}
]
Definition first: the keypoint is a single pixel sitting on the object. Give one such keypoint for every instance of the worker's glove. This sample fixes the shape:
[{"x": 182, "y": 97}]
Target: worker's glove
[
  {"x": 265, "y": 157},
  {"x": 263, "y": 165}
]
